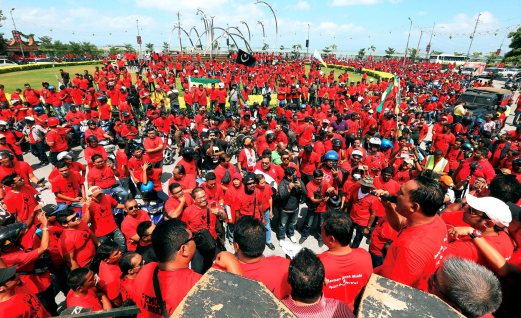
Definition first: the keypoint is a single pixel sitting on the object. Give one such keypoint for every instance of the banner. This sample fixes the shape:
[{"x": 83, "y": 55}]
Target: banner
[
  {"x": 384, "y": 97},
  {"x": 245, "y": 58},
  {"x": 206, "y": 82},
  {"x": 317, "y": 56}
]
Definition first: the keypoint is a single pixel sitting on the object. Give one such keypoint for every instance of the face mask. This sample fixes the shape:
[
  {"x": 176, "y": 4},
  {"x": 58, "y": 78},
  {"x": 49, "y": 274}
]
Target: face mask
[
  {"x": 96, "y": 279},
  {"x": 357, "y": 176}
]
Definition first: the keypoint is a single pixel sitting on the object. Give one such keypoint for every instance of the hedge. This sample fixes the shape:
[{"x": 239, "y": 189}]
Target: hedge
[
  {"x": 373, "y": 73},
  {"x": 27, "y": 67}
]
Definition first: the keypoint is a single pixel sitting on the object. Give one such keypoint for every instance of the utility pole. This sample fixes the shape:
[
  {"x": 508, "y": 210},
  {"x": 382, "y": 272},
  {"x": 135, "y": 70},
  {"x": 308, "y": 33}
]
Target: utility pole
[
  {"x": 472, "y": 36},
  {"x": 179, "y": 31},
  {"x": 408, "y": 38},
  {"x": 137, "y": 25},
  {"x": 307, "y": 43},
  {"x": 418, "y": 46},
  {"x": 16, "y": 30},
  {"x": 430, "y": 40}
]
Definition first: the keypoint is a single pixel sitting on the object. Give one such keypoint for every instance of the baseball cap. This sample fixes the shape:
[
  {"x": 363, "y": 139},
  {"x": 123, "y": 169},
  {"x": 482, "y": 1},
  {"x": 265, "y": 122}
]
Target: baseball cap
[
  {"x": 495, "y": 209},
  {"x": 64, "y": 154},
  {"x": 2, "y": 136},
  {"x": 51, "y": 209},
  {"x": 94, "y": 191},
  {"x": 6, "y": 274}
]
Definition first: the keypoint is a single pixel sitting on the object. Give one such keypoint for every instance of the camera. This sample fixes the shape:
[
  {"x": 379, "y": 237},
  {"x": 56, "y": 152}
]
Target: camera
[{"x": 295, "y": 179}]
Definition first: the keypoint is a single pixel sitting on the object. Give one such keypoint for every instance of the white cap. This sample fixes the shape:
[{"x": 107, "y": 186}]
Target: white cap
[
  {"x": 495, "y": 209},
  {"x": 370, "y": 111},
  {"x": 3, "y": 123},
  {"x": 326, "y": 121},
  {"x": 64, "y": 154},
  {"x": 357, "y": 153},
  {"x": 28, "y": 118}
]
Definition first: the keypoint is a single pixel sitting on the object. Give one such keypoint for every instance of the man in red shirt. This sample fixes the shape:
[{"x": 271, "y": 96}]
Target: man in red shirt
[
  {"x": 20, "y": 201},
  {"x": 31, "y": 96},
  {"x": 247, "y": 202},
  {"x": 178, "y": 201},
  {"x": 422, "y": 240},
  {"x": 487, "y": 217},
  {"x": 56, "y": 139},
  {"x": 362, "y": 206},
  {"x": 135, "y": 215},
  {"x": 15, "y": 301},
  {"x": 477, "y": 164},
  {"x": 248, "y": 243},
  {"x": 386, "y": 182},
  {"x": 68, "y": 186},
  {"x": 98, "y": 212},
  {"x": 308, "y": 161},
  {"x": 174, "y": 247},
  {"x": 347, "y": 269},
  {"x": 103, "y": 175},
  {"x": 77, "y": 242},
  {"x": 154, "y": 149}
]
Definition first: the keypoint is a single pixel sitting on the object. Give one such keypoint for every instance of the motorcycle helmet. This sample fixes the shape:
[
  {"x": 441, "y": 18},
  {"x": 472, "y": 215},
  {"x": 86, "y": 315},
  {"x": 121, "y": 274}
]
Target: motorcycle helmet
[
  {"x": 375, "y": 141},
  {"x": 331, "y": 155},
  {"x": 516, "y": 162},
  {"x": 102, "y": 99},
  {"x": 91, "y": 122},
  {"x": 270, "y": 135},
  {"x": 480, "y": 120},
  {"x": 188, "y": 154},
  {"x": 336, "y": 142},
  {"x": 9, "y": 234},
  {"x": 386, "y": 144},
  {"x": 53, "y": 122},
  {"x": 38, "y": 110},
  {"x": 149, "y": 186},
  {"x": 466, "y": 147}
]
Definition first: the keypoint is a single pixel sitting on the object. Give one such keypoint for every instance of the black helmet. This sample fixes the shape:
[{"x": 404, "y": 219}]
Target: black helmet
[
  {"x": 91, "y": 122},
  {"x": 92, "y": 138},
  {"x": 516, "y": 162},
  {"x": 10, "y": 233},
  {"x": 336, "y": 142},
  {"x": 188, "y": 153}
]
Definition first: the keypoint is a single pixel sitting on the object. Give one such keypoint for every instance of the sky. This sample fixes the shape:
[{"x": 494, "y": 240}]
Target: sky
[{"x": 349, "y": 24}]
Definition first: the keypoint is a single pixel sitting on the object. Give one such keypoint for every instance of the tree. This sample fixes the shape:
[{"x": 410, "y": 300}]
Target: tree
[
  {"x": 115, "y": 50},
  {"x": 412, "y": 53},
  {"x": 296, "y": 48},
  {"x": 372, "y": 48},
  {"x": 150, "y": 46},
  {"x": 129, "y": 48},
  {"x": 282, "y": 47},
  {"x": 389, "y": 52},
  {"x": 265, "y": 46},
  {"x": 459, "y": 54},
  {"x": 333, "y": 47},
  {"x": 327, "y": 49},
  {"x": 436, "y": 52},
  {"x": 477, "y": 54},
  {"x": 165, "y": 46},
  {"x": 361, "y": 53},
  {"x": 514, "y": 55}
]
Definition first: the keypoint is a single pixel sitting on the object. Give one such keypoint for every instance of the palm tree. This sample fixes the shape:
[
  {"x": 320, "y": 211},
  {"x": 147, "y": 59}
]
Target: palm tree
[
  {"x": 333, "y": 47},
  {"x": 390, "y": 51},
  {"x": 436, "y": 52},
  {"x": 372, "y": 48},
  {"x": 361, "y": 53},
  {"x": 265, "y": 46},
  {"x": 282, "y": 47},
  {"x": 150, "y": 46},
  {"x": 165, "y": 47}
]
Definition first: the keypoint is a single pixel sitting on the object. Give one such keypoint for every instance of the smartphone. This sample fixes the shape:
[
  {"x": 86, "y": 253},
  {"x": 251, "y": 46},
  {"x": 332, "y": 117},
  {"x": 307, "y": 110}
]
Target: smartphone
[
  {"x": 214, "y": 207},
  {"x": 404, "y": 155}
]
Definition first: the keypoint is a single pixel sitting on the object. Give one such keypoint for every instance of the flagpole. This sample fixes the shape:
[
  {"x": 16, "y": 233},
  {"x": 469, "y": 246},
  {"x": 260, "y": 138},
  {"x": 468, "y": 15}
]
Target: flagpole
[{"x": 408, "y": 38}]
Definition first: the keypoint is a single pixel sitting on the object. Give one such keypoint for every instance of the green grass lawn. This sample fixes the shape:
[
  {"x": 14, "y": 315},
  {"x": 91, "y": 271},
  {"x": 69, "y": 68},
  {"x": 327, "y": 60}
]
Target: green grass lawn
[{"x": 16, "y": 80}]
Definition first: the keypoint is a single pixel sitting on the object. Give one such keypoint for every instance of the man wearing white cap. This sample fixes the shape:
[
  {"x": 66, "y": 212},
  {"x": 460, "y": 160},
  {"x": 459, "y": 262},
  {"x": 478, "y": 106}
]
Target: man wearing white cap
[{"x": 488, "y": 217}]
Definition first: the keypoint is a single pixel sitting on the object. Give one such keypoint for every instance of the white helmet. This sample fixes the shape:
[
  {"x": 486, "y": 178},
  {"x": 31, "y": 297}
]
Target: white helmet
[{"x": 375, "y": 141}]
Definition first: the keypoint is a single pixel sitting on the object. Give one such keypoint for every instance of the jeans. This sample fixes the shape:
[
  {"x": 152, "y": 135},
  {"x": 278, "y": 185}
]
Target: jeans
[
  {"x": 516, "y": 117},
  {"x": 58, "y": 111},
  {"x": 267, "y": 226},
  {"x": 288, "y": 220},
  {"x": 119, "y": 191},
  {"x": 358, "y": 236},
  {"x": 53, "y": 158},
  {"x": 230, "y": 227},
  {"x": 233, "y": 106},
  {"x": 213, "y": 105},
  {"x": 311, "y": 216},
  {"x": 39, "y": 149},
  {"x": 117, "y": 237},
  {"x": 66, "y": 107}
]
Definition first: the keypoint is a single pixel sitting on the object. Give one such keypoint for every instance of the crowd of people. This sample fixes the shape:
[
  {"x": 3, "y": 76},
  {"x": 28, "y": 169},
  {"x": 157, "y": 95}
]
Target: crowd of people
[{"x": 433, "y": 191}]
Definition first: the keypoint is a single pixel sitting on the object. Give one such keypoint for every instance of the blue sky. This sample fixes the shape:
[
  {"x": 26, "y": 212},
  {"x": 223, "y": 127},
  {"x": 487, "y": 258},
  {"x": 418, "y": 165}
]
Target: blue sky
[{"x": 350, "y": 24}]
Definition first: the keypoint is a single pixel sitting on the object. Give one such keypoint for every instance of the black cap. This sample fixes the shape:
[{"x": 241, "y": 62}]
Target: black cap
[
  {"x": 6, "y": 274},
  {"x": 52, "y": 209}
]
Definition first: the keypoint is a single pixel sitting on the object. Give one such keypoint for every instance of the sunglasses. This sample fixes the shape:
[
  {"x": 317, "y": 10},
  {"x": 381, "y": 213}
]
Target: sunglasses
[
  {"x": 74, "y": 219},
  {"x": 188, "y": 240},
  {"x": 133, "y": 207}
]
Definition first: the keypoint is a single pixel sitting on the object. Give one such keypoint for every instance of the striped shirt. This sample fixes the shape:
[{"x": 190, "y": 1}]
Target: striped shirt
[{"x": 325, "y": 308}]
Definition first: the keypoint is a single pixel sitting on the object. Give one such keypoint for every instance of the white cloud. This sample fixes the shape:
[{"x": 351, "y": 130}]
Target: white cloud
[
  {"x": 302, "y": 5},
  {"x": 176, "y": 5},
  {"x": 463, "y": 23}
]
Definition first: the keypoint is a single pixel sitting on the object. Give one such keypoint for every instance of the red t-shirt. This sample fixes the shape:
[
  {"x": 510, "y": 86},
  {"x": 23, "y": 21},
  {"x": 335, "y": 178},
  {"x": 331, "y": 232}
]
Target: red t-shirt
[
  {"x": 415, "y": 254},
  {"x": 248, "y": 204},
  {"x": 89, "y": 300},
  {"x": 21, "y": 203},
  {"x": 196, "y": 219},
  {"x": 312, "y": 188},
  {"x": 129, "y": 227},
  {"x": 103, "y": 178},
  {"x": 109, "y": 279},
  {"x": 69, "y": 186},
  {"x": 78, "y": 241},
  {"x": 309, "y": 162},
  {"x": 346, "y": 274},
  {"x": 464, "y": 248},
  {"x": 90, "y": 151},
  {"x": 59, "y": 138},
  {"x": 121, "y": 161},
  {"x": 149, "y": 143},
  {"x": 22, "y": 168},
  {"x": 363, "y": 207},
  {"x": 101, "y": 217},
  {"x": 272, "y": 271},
  {"x": 174, "y": 286},
  {"x": 23, "y": 305}
]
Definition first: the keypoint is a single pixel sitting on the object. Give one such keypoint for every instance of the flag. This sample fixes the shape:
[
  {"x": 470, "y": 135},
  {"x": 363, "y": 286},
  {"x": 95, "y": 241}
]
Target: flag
[
  {"x": 384, "y": 96},
  {"x": 202, "y": 80},
  {"x": 317, "y": 56},
  {"x": 398, "y": 95},
  {"x": 245, "y": 58}
]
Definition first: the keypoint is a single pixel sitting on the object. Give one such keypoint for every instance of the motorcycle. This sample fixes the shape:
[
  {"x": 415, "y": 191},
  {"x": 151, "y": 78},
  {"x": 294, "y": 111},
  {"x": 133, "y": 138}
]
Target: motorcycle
[{"x": 109, "y": 148}]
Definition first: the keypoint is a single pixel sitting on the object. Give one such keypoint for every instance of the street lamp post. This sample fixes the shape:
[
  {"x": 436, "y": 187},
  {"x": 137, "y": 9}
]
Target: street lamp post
[
  {"x": 408, "y": 38},
  {"x": 307, "y": 43},
  {"x": 14, "y": 26}
]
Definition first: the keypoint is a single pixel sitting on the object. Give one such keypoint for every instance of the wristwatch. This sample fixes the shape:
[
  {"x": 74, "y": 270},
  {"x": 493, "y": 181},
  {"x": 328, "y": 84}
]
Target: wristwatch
[{"x": 475, "y": 233}]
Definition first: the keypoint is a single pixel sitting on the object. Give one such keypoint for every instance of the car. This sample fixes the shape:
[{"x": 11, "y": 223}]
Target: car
[
  {"x": 484, "y": 100},
  {"x": 509, "y": 71},
  {"x": 7, "y": 62},
  {"x": 490, "y": 72}
]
